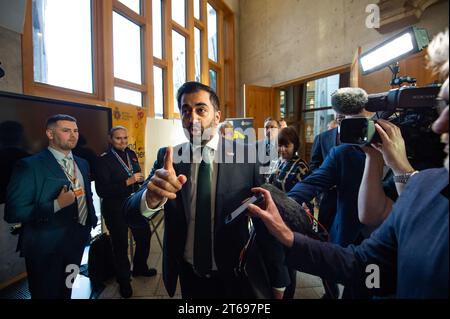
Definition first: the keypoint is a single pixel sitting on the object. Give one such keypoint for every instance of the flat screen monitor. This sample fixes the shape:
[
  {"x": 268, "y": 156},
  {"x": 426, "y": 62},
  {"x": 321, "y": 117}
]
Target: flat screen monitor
[{"x": 22, "y": 129}]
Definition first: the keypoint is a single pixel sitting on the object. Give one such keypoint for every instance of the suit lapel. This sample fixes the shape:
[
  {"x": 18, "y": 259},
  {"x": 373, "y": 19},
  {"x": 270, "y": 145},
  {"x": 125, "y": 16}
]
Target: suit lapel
[
  {"x": 52, "y": 164},
  {"x": 226, "y": 155},
  {"x": 184, "y": 167}
]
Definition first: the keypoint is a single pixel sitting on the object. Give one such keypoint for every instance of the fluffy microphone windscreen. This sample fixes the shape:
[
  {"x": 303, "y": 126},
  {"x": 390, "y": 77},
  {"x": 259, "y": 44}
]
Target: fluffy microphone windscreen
[{"x": 293, "y": 214}]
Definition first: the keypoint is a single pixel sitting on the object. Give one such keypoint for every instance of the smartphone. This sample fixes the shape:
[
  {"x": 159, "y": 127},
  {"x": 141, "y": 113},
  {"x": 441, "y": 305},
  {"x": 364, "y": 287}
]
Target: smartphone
[{"x": 257, "y": 198}]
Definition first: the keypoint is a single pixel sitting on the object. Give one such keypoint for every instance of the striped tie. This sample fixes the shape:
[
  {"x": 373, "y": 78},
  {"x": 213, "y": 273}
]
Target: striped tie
[{"x": 81, "y": 201}]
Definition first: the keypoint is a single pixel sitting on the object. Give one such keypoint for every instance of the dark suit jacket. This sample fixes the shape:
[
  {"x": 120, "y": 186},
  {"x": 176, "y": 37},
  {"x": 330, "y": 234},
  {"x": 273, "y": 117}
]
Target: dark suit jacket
[
  {"x": 323, "y": 143},
  {"x": 343, "y": 167},
  {"x": 410, "y": 249},
  {"x": 234, "y": 182},
  {"x": 35, "y": 184},
  {"x": 110, "y": 176}
]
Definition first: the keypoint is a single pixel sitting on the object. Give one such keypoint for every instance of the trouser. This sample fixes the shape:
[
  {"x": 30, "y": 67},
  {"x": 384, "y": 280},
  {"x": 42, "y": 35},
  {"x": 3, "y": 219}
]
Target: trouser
[
  {"x": 331, "y": 289},
  {"x": 118, "y": 230},
  {"x": 290, "y": 290},
  {"x": 218, "y": 286},
  {"x": 51, "y": 276}
]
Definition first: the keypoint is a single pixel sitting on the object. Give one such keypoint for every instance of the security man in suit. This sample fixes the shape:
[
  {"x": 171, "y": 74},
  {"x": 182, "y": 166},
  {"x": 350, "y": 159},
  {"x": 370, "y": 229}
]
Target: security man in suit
[
  {"x": 198, "y": 183},
  {"x": 50, "y": 194},
  {"x": 268, "y": 147},
  {"x": 117, "y": 176}
]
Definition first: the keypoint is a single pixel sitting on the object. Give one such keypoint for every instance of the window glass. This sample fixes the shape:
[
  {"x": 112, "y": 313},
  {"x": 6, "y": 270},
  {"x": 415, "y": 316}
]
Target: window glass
[
  {"x": 134, "y": 5},
  {"x": 212, "y": 33},
  {"x": 62, "y": 44},
  {"x": 127, "y": 49},
  {"x": 127, "y": 96},
  {"x": 283, "y": 104},
  {"x": 157, "y": 28},
  {"x": 158, "y": 92},
  {"x": 197, "y": 55},
  {"x": 213, "y": 79},
  {"x": 318, "y": 95},
  {"x": 197, "y": 9},
  {"x": 179, "y": 64},
  {"x": 179, "y": 12}
]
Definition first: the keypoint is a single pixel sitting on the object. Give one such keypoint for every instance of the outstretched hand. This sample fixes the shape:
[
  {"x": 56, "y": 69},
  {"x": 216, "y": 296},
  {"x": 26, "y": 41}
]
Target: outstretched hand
[
  {"x": 269, "y": 214},
  {"x": 164, "y": 183}
]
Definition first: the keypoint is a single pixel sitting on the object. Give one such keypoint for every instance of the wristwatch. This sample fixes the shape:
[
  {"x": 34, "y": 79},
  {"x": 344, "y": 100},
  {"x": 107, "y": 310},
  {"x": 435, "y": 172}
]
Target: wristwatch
[{"x": 403, "y": 178}]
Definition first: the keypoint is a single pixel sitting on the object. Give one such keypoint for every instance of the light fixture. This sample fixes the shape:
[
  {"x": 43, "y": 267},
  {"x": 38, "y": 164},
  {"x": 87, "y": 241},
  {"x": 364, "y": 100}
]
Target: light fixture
[{"x": 407, "y": 42}]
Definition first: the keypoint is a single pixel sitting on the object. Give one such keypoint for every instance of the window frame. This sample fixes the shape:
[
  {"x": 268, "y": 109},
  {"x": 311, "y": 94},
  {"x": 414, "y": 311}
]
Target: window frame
[{"x": 102, "y": 56}]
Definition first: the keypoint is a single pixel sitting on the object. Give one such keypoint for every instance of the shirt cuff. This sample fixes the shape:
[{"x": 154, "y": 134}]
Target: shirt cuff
[
  {"x": 149, "y": 212},
  {"x": 56, "y": 206}
]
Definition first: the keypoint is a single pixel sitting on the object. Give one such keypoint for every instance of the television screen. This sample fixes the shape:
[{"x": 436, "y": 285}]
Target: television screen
[{"x": 22, "y": 129}]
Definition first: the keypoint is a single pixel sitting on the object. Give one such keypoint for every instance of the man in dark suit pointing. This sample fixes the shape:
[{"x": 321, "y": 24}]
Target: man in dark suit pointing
[
  {"x": 50, "y": 194},
  {"x": 198, "y": 184}
]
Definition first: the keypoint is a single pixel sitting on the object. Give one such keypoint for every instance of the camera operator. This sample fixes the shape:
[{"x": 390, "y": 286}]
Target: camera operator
[
  {"x": 342, "y": 169},
  {"x": 373, "y": 204},
  {"x": 409, "y": 253}
]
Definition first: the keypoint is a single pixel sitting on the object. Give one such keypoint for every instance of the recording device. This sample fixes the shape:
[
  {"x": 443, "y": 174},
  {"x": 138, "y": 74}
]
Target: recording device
[
  {"x": 295, "y": 216},
  {"x": 413, "y": 110},
  {"x": 407, "y": 100},
  {"x": 257, "y": 198},
  {"x": 292, "y": 213}
]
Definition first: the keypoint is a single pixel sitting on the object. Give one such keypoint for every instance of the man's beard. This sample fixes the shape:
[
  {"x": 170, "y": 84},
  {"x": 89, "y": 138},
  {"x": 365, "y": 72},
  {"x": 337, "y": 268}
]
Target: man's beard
[
  {"x": 206, "y": 135},
  {"x": 66, "y": 146}
]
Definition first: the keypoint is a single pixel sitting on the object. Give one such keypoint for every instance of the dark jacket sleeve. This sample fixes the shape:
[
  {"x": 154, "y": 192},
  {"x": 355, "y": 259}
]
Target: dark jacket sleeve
[
  {"x": 349, "y": 266},
  {"x": 316, "y": 154},
  {"x": 22, "y": 204},
  {"x": 132, "y": 206},
  {"x": 272, "y": 250},
  {"x": 320, "y": 180},
  {"x": 105, "y": 185}
]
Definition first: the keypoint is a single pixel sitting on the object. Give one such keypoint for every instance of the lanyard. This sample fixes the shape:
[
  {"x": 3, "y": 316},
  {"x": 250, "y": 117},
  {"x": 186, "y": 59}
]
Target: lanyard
[
  {"x": 72, "y": 179},
  {"x": 128, "y": 168}
]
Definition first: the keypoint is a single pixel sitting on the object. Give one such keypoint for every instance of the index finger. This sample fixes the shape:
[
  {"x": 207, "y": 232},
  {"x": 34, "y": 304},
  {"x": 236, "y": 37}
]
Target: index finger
[
  {"x": 383, "y": 135},
  {"x": 169, "y": 177},
  {"x": 267, "y": 196},
  {"x": 168, "y": 158},
  {"x": 388, "y": 127}
]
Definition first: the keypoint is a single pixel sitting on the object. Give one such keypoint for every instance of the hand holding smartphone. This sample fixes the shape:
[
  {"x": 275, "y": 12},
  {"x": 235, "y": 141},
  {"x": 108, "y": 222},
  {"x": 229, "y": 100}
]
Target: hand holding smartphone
[{"x": 257, "y": 198}]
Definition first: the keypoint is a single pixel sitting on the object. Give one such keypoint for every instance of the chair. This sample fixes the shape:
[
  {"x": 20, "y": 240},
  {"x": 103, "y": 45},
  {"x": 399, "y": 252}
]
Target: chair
[{"x": 155, "y": 222}]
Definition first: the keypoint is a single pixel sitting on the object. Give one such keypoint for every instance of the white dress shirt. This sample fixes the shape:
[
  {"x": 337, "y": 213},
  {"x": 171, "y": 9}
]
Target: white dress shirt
[
  {"x": 211, "y": 148},
  {"x": 59, "y": 156}
]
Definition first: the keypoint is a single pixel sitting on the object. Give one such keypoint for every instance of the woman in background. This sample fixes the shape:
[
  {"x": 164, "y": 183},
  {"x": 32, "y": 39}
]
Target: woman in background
[{"x": 288, "y": 170}]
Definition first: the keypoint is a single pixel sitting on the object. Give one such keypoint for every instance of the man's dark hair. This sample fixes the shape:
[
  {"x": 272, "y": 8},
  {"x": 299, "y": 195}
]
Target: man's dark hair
[
  {"x": 194, "y": 87},
  {"x": 59, "y": 117},
  {"x": 270, "y": 119},
  {"x": 289, "y": 135}
]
